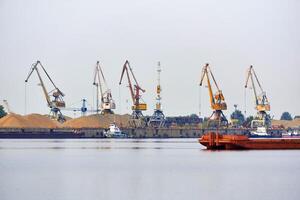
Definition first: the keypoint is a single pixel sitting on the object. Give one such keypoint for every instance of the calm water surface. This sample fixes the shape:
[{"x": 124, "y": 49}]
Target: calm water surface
[{"x": 151, "y": 169}]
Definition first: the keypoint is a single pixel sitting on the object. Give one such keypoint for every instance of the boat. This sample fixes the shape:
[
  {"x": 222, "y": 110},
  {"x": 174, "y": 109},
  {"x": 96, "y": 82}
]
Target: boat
[
  {"x": 260, "y": 132},
  {"x": 114, "y": 132},
  {"x": 215, "y": 141},
  {"x": 291, "y": 134}
]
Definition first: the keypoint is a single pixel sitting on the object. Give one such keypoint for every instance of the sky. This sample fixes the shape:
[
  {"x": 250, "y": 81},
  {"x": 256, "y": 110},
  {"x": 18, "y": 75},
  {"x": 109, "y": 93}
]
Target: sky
[{"x": 69, "y": 36}]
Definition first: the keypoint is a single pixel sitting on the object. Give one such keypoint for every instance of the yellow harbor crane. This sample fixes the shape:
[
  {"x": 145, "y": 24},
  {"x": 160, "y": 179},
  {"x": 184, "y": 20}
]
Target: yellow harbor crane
[
  {"x": 158, "y": 118},
  {"x": 135, "y": 92},
  {"x": 107, "y": 102},
  {"x": 217, "y": 100},
  {"x": 57, "y": 103},
  {"x": 262, "y": 104}
]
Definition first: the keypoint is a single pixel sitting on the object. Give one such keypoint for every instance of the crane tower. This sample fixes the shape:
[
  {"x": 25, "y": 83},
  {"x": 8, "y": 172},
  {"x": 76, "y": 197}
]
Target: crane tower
[{"x": 158, "y": 117}]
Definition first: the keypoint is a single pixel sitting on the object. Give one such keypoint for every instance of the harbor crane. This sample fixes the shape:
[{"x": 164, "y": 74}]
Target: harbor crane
[
  {"x": 135, "y": 92},
  {"x": 107, "y": 102},
  {"x": 262, "y": 104},
  {"x": 217, "y": 100},
  {"x": 57, "y": 103},
  {"x": 158, "y": 117}
]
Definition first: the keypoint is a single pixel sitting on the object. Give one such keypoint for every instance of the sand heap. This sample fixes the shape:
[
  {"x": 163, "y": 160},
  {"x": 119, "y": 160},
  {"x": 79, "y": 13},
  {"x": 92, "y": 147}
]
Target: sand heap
[
  {"x": 28, "y": 121},
  {"x": 287, "y": 123},
  {"x": 98, "y": 121}
]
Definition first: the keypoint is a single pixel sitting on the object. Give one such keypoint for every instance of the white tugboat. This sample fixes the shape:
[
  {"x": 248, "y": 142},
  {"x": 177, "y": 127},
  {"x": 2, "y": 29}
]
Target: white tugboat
[
  {"x": 260, "y": 132},
  {"x": 114, "y": 132}
]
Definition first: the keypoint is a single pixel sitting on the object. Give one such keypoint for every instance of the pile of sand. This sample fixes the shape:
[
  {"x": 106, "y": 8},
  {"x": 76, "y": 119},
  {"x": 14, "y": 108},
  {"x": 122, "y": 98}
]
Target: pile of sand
[
  {"x": 13, "y": 120},
  {"x": 98, "y": 121},
  {"x": 287, "y": 123}
]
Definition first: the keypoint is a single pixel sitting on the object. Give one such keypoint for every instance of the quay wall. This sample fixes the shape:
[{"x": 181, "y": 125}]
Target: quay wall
[{"x": 132, "y": 132}]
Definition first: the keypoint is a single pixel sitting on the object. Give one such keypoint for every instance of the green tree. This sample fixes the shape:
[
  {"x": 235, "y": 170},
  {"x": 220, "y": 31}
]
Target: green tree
[
  {"x": 237, "y": 114},
  {"x": 194, "y": 116},
  {"x": 286, "y": 116},
  {"x": 2, "y": 111},
  {"x": 248, "y": 121}
]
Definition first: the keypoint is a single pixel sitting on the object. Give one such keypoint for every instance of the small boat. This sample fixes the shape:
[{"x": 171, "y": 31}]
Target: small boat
[
  {"x": 114, "y": 132},
  {"x": 291, "y": 134},
  {"x": 260, "y": 132}
]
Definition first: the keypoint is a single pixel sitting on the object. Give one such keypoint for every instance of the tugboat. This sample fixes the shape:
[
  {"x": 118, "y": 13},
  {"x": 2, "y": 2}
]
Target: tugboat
[
  {"x": 260, "y": 132},
  {"x": 114, "y": 132}
]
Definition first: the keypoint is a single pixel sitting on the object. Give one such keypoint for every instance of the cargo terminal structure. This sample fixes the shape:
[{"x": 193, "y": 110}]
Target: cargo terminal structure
[{"x": 56, "y": 125}]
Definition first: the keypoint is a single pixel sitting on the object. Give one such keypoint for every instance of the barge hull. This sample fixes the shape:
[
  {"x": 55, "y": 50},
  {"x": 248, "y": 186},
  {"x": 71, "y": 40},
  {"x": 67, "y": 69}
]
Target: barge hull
[{"x": 216, "y": 141}]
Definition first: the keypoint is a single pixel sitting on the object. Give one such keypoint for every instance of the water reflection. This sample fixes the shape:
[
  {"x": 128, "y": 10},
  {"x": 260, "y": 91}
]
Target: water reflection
[{"x": 99, "y": 144}]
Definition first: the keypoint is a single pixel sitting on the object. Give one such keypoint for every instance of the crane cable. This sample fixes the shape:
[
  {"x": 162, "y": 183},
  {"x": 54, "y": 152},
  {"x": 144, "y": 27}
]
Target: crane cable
[
  {"x": 245, "y": 102},
  {"x": 200, "y": 100},
  {"x": 120, "y": 107},
  {"x": 25, "y": 98},
  {"x": 93, "y": 91}
]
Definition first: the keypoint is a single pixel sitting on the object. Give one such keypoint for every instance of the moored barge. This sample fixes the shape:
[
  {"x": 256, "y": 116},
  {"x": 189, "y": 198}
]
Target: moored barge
[{"x": 217, "y": 141}]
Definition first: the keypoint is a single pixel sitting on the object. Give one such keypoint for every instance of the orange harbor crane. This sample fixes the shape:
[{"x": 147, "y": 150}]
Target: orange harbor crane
[{"x": 135, "y": 92}]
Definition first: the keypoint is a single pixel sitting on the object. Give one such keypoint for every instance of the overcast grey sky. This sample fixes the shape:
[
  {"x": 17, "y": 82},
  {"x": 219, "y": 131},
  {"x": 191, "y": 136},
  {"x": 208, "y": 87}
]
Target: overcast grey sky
[{"x": 70, "y": 36}]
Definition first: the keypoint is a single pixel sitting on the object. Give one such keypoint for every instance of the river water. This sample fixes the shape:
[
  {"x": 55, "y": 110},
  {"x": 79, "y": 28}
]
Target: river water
[{"x": 154, "y": 169}]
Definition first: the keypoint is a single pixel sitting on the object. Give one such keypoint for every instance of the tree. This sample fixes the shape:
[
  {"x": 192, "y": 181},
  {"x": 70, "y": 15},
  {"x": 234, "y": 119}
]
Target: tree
[
  {"x": 248, "y": 121},
  {"x": 238, "y": 115},
  {"x": 194, "y": 116},
  {"x": 286, "y": 116},
  {"x": 2, "y": 111}
]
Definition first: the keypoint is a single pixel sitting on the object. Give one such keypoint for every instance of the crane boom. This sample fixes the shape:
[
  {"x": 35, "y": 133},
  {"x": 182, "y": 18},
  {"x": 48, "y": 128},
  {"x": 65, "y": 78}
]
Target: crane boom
[
  {"x": 125, "y": 69},
  {"x": 217, "y": 100},
  {"x": 261, "y": 100},
  {"x": 97, "y": 80},
  {"x": 205, "y": 74},
  {"x": 34, "y": 67},
  {"x": 249, "y": 76}
]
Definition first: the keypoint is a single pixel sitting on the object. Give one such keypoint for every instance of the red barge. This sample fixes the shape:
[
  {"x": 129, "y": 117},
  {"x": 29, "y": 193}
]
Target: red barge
[{"x": 227, "y": 142}]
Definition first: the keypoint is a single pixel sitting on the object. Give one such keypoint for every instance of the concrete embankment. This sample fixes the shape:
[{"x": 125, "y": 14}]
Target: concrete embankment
[
  {"x": 98, "y": 132},
  {"x": 93, "y": 126}
]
